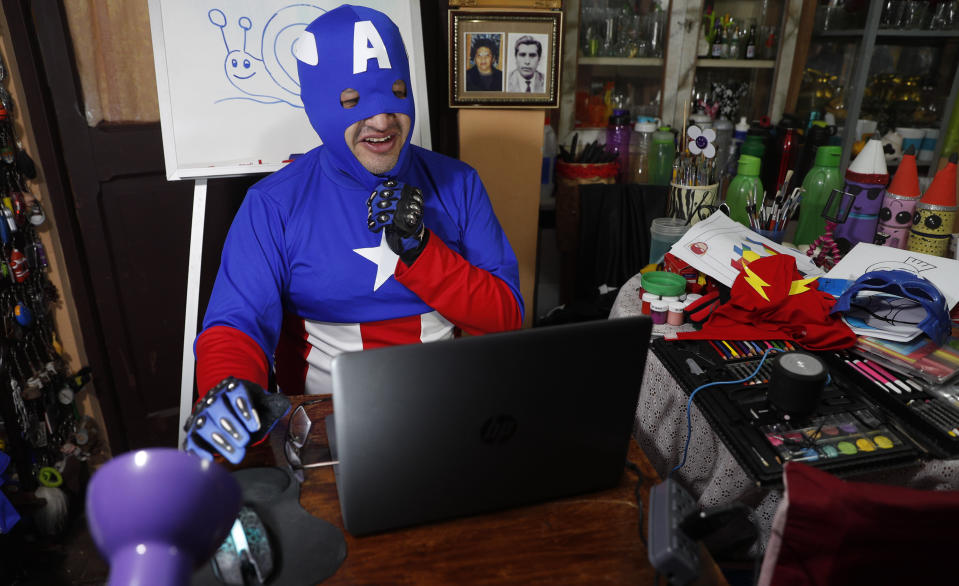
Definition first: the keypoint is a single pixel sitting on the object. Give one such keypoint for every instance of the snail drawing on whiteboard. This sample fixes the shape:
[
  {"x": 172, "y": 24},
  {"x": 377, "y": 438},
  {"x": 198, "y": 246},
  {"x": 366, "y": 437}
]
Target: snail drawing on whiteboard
[{"x": 270, "y": 78}]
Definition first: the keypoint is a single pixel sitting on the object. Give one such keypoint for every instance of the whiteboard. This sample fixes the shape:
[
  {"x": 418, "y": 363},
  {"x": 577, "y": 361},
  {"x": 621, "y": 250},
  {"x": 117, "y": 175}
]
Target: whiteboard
[{"x": 217, "y": 125}]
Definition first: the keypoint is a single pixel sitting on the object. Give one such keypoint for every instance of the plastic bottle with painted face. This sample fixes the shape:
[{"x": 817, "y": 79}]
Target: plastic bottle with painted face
[
  {"x": 899, "y": 205},
  {"x": 935, "y": 215}
]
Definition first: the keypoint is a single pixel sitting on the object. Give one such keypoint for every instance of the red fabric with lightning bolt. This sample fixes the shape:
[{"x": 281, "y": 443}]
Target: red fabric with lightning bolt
[{"x": 770, "y": 300}]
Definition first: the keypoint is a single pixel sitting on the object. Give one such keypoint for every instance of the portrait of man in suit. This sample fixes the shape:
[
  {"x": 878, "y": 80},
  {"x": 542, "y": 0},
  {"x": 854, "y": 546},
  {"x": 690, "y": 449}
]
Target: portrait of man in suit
[
  {"x": 485, "y": 73},
  {"x": 526, "y": 75}
]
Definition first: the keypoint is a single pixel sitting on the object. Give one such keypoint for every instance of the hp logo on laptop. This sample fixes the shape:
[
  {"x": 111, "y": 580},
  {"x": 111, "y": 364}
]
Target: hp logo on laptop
[{"x": 498, "y": 429}]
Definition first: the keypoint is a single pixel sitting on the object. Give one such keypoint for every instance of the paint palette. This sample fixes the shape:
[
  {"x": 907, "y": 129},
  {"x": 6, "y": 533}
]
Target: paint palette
[
  {"x": 847, "y": 433},
  {"x": 830, "y": 437}
]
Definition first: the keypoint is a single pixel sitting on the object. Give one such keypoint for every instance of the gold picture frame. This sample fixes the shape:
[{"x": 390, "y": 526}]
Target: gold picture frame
[{"x": 504, "y": 59}]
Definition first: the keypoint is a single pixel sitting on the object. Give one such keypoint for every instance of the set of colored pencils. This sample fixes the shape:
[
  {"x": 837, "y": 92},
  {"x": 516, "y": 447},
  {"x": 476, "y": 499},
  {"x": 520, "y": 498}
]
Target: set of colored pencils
[{"x": 733, "y": 349}]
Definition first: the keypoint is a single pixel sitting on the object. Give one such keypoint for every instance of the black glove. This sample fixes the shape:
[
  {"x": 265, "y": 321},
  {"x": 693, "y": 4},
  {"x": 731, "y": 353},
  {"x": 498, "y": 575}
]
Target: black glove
[
  {"x": 233, "y": 415},
  {"x": 398, "y": 209}
]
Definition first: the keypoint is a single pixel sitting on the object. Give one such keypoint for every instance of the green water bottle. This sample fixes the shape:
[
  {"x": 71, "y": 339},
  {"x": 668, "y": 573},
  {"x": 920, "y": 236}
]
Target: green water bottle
[
  {"x": 819, "y": 183},
  {"x": 661, "y": 155},
  {"x": 745, "y": 182}
]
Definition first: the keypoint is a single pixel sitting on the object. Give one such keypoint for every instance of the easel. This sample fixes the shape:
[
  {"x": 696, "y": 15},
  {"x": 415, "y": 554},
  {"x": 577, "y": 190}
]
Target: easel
[{"x": 192, "y": 304}]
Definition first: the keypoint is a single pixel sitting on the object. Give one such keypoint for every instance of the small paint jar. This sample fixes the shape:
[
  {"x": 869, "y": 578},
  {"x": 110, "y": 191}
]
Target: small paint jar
[
  {"x": 669, "y": 299},
  {"x": 690, "y": 298},
  {"x": 675, "y": 315},
  {"x": 648, "y": 298},
  {"x": 658, "y": 311}
]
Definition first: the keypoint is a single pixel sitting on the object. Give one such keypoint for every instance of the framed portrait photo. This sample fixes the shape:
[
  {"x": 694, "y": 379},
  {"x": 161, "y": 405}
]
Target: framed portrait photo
[{"x": 505, "y": 59}]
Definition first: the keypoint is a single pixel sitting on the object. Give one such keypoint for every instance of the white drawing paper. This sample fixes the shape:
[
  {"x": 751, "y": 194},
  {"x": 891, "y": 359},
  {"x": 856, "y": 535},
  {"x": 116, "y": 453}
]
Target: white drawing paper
[
  {"x": 863, "y": 258},
  {"x": 715, "y": 246}
]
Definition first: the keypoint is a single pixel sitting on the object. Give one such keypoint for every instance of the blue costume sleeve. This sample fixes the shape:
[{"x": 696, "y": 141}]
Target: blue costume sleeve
[{"x": 248, "y": 291}]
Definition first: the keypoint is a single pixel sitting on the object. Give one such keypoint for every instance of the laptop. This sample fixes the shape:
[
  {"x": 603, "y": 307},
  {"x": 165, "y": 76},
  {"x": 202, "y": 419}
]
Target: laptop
[{"x": 426, "y": 432}]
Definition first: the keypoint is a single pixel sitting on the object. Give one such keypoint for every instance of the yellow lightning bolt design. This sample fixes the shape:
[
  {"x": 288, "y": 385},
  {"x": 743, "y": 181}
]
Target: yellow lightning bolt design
[
  {"x": 800, "y": 285},
  {"x": 755, "y": 281}
]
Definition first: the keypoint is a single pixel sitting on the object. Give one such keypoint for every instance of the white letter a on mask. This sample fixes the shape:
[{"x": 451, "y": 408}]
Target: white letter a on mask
[{"x": 367, "y": 45}]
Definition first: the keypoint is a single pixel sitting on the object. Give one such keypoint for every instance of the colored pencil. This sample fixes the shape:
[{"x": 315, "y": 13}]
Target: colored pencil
[
  {"x": 731, "y": 350},
  {"x": 722, "y": 353}
]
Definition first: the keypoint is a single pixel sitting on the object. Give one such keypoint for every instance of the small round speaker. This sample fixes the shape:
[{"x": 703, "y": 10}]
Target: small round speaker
[{"x": 796, "y": 383}]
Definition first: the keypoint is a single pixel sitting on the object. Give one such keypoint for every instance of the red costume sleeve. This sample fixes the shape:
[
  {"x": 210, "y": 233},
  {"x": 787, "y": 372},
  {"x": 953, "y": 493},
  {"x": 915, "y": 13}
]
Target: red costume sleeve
[
  {"x": 222, "y": 351},
  {"x": 475, "y": 300}
]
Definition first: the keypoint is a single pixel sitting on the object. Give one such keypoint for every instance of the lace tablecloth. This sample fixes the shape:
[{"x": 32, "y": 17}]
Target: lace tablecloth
[{"x": 711, "y": 473}]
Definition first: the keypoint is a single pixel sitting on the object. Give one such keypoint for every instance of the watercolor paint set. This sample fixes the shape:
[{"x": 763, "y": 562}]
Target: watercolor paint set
[{"x": 847, "y": 432}]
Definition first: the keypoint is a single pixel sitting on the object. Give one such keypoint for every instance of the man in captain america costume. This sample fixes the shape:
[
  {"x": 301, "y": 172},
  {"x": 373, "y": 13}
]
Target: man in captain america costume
[{"x": 363, "y": 242}]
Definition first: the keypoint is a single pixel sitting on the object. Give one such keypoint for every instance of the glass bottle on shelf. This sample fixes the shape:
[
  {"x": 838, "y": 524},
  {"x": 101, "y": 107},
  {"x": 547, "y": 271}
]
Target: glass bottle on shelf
[
  {"x": 751, "y": 43},
  {"x": 717, "y": 49}
]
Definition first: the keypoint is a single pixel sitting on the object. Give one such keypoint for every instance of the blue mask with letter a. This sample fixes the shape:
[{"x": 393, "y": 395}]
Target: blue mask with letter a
[{"x": 358, "y": 48}]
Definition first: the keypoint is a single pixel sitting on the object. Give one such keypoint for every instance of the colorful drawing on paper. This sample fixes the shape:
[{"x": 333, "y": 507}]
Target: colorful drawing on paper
[{"x": 716, "y": 246}]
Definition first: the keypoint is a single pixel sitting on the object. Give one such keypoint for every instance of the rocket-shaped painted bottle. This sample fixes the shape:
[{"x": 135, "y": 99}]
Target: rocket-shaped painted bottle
[
  {"x": 899, "y": 204},
  {"x": 935, "y": 215},
  {"x": 866, "y": 180}
]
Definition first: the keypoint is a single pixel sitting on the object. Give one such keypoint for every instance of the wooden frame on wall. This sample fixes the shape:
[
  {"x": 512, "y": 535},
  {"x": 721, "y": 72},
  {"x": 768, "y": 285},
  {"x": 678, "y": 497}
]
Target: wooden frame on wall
[{"x": 519, "y": 51}]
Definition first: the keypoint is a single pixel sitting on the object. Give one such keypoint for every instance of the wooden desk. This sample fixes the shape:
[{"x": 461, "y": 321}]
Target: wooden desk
[{"x": 589, "y": 539}]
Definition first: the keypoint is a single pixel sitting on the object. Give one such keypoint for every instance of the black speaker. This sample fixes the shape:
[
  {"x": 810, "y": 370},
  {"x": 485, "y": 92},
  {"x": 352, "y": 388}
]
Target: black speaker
[{"x": 796, "y": 383}]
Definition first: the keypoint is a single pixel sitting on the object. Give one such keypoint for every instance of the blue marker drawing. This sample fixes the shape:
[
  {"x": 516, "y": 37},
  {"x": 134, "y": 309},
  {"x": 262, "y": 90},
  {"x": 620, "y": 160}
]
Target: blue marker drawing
[{"x": 271, "y": 78}]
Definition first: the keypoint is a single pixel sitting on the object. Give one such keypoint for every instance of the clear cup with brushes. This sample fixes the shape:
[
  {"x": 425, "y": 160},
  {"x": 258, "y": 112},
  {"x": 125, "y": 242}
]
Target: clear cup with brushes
[
  {"x": 694, "y": 189},
  {"x": 770, "y": 216}
]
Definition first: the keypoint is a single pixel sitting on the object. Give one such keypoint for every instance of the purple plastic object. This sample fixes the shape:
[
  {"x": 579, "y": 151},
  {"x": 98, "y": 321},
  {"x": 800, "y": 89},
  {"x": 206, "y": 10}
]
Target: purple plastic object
[{"x": 157, "y": 514}]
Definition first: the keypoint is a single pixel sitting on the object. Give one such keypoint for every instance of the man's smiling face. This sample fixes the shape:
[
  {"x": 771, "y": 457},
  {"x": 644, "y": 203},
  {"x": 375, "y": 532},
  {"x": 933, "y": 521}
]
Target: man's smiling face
[{"x": 377, "y": 141}]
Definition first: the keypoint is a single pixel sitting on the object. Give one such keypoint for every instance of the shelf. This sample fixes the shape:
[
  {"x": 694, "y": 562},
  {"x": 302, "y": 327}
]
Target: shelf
[
  {"x": 622, "y": 61},
  {"x": 902, "y": 34},
  {"x": 737, "y": 63}
]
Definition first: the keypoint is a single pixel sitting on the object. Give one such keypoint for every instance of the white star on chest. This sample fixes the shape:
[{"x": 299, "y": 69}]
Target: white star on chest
[{"x": 384, "y": 259}]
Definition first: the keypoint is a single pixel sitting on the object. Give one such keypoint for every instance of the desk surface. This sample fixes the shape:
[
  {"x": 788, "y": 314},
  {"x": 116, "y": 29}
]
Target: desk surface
[{"x": 589, "y": 539}]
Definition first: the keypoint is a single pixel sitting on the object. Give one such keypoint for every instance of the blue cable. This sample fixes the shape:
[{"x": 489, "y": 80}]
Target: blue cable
[{"x": 689, "y": 402}]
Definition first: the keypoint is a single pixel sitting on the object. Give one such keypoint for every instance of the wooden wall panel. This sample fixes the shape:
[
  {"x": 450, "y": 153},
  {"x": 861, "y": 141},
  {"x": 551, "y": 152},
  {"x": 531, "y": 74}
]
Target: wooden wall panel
[{"x": 505, "y": 147}]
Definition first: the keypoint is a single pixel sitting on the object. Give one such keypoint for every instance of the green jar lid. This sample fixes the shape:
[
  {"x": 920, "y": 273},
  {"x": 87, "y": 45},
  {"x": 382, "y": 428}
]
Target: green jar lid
[
  {"x": 828, "y": 156},
  {"x": 749, "y": 165},
  {"x": 663, "y": 283},
  {"x": 753, "y": 146},
  {"x": 664, "y": 135}
]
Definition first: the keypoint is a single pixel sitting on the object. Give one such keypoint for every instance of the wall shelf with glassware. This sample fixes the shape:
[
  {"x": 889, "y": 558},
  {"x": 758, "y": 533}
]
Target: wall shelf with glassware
[
  {"x": 910, "y": 85},
  {"x": 902, "y": 34},
  {"x": 738, "y": 63},
  {"x": 622, "y": 61}
]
